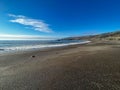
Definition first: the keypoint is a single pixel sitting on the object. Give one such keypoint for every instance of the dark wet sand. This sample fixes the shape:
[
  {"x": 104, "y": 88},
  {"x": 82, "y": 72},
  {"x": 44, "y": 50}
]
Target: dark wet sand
[{"x": 94, "y": 66}]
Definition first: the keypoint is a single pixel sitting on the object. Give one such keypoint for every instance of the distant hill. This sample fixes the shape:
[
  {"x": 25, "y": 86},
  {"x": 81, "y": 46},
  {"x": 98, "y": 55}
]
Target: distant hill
[{"x": 104, "y": 36}]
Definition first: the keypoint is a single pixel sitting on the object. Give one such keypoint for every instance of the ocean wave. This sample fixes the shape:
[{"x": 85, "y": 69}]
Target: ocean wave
[
  {"x": 29, "y": 47},
  {"x": 2, "y": 49}
]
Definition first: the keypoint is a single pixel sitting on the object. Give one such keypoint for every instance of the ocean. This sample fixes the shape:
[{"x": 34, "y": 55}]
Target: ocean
[{"x": 20, "y": 45}]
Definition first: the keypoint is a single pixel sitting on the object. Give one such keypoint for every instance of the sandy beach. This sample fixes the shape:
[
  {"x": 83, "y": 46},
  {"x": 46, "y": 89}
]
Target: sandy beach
[{"x": 93, "y": 66}]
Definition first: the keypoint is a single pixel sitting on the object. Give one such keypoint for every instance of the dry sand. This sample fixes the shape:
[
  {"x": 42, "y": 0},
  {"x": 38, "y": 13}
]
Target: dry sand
[{"x": 94, "y": 66}]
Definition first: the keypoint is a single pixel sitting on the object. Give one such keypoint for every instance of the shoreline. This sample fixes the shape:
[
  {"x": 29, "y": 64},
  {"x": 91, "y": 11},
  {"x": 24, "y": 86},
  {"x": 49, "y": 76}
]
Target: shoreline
[{"x": 40, "y": 49}]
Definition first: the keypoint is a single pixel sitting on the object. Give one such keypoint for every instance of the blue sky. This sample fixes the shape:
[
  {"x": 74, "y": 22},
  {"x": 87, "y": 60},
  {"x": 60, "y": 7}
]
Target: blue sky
[{"x": 58, "y": 18}]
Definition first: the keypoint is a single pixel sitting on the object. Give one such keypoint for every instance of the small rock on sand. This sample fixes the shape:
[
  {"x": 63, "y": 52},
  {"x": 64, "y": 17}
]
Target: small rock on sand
[{"x": 33, "y": 56}]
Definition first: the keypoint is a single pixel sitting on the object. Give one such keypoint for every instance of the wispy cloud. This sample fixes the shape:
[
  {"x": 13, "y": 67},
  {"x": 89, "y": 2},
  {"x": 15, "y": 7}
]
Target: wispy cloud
[{"x": 35, "y": 24}]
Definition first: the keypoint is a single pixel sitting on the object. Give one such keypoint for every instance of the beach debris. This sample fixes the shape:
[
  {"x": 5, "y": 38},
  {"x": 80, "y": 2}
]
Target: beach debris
[{"x": 33, "y": 56}]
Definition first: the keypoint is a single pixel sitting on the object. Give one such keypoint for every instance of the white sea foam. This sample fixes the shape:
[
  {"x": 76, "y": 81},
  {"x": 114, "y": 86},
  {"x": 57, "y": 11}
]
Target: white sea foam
[{"x": 30, "y": 47}]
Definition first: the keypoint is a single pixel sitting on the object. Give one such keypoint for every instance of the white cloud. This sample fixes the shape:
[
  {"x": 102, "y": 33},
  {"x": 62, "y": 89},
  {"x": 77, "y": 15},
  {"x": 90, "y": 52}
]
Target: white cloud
[
  {"x": 25, "y": 37},
  {"x": 38, "y": 25}
]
